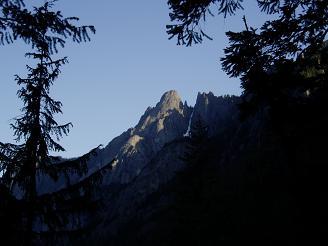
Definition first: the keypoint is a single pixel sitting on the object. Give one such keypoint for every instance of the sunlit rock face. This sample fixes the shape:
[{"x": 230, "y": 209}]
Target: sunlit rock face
[
  {"x": 169, "y": 120},
  {"x": 136, "y": 149},
  {"x": 164, "y": 122},
  {"x": 159, "y": 125}
]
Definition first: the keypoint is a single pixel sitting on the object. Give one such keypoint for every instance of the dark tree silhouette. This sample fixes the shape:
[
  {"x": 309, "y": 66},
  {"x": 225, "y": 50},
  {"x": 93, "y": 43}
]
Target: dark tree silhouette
[
  {"x": 37, "y": 132},
  {"x": 197, "y": 139},
  {"x": 283, "y": 71},
  {"x": 300, "y": 28},
  {"x": 188, "y": 14},
  {"x": 304, "y": 22}
]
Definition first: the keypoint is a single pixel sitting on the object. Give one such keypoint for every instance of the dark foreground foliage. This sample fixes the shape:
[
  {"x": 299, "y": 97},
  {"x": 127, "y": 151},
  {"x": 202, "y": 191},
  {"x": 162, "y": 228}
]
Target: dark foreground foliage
[{"x": 28, "y": 216}]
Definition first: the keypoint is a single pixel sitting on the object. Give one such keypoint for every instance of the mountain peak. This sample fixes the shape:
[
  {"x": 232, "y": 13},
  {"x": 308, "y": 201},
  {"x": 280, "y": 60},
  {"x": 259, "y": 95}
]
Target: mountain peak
[
  {"x": 159, "y": 118},
  {"x": 170, "y": 94},
  {"x": 170, "y": 100}
]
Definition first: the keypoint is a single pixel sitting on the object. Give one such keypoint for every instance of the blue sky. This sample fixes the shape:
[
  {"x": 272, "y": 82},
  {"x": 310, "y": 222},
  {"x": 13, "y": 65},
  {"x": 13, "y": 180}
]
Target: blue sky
[{"x": 127, "y": 66}]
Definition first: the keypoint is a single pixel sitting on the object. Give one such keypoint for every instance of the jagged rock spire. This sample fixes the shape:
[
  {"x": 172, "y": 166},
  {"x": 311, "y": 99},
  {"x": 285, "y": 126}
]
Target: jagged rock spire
[{"x": 170, "y": 100}]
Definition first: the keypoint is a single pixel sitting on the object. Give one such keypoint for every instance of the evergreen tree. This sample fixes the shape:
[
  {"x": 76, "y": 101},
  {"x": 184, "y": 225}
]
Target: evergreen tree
[
  {"x": 9, "y": 8},
  {"x": 300, "y": 28},
  {"x": 283, "y": 71},
  {"x": 197, "y": 141},
  {"x": 37, "y": 132}
]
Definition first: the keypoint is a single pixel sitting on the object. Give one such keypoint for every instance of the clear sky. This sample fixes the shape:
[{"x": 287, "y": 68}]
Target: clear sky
[{"x": 127, "y": 66}]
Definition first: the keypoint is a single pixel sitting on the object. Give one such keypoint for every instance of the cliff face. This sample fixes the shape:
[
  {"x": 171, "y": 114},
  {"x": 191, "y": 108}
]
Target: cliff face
[
  {"x": 170, "y": 120},
  {"x": 135, "y": 148},
  {"x": 216, "y": 113},
  {"x": 149, "y": 156}
]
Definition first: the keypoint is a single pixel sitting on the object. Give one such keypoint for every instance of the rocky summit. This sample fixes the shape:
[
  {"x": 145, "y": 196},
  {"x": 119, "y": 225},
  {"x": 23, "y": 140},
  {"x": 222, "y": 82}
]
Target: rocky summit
[
  {"x": 168, "y": 121},
  {"x": 133, "y": 149},
  {"x": 148, "y": 156}
]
